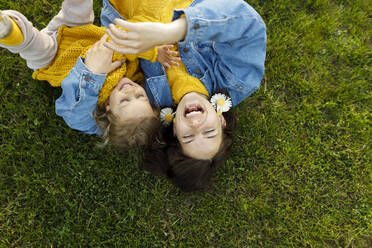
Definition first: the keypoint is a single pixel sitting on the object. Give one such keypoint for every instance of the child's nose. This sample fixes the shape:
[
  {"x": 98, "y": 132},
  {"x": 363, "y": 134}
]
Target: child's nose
[{"x": 130, "y": 90}]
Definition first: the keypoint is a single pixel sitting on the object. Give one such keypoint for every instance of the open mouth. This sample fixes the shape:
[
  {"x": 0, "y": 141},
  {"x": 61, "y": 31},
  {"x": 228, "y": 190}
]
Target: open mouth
[
  {"x": 123, "y": 84},
  {"x": 193, "y": 109}
]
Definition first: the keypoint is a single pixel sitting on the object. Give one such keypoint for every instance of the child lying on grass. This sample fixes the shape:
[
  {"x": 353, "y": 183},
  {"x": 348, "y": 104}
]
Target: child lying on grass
[{"x": 72, "y": 46}]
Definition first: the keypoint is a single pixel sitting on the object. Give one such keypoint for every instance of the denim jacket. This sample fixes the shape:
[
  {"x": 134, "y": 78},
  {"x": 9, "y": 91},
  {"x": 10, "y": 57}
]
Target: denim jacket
[
  {"x": 224, "y": 48},
  {"x": 76, "y": 105}
]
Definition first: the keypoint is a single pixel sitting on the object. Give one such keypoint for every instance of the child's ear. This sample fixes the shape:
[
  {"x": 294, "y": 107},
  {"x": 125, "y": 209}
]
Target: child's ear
[
  {"x": 107, "y": 107},
  {"x": 222, "y": 119}
]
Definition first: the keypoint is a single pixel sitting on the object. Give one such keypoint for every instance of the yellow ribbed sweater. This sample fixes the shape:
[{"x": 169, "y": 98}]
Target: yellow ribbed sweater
[
  {"x": 75, "y": 41},
  {"x": 180, "y": 81}
]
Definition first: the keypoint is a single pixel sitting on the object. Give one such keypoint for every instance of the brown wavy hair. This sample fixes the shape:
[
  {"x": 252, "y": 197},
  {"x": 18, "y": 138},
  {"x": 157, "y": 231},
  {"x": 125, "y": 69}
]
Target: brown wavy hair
[{"x": 135, "y": 133}]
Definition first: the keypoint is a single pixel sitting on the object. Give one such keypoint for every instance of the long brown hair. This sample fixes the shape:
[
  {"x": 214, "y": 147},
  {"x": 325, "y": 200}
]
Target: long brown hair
[{"x": 187, "y": 173}]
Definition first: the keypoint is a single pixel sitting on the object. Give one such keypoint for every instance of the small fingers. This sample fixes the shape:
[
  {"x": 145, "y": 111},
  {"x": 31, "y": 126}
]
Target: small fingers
[
  {"x": 175, "y": 58},
  {"x": 174, "y": 63},
  {"x": 166, "y": 65},
  {"x": 172, "y": 53},
  {"x": 116, "y": 64}
]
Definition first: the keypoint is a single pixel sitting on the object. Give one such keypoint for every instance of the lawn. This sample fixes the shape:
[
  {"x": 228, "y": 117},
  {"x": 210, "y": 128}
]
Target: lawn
[{"x": 299, "y": 174}]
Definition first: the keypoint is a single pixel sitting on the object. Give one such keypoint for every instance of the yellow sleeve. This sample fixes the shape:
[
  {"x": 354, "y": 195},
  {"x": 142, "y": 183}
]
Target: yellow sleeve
[
  {"x": 150, "y": 55},
  {"x": 15, "y": 37}
]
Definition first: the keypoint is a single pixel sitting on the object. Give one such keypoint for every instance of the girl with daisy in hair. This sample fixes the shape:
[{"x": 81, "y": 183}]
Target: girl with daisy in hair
[{"x": 222, "y": 46}]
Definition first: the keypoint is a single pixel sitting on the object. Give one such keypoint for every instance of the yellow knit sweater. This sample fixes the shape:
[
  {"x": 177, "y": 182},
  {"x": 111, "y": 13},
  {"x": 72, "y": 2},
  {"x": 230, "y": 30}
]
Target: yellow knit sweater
[
  {"x": 154, "y": 10},
  {"x": 74, "y": 42},
  {"x": 180, "y": 81}
]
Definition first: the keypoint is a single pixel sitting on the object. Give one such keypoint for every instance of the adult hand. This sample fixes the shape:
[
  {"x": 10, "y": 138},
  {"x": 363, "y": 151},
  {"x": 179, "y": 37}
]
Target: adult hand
[
  {"x": 144, "y": 35},
  {"x": 98, "y": 58}
]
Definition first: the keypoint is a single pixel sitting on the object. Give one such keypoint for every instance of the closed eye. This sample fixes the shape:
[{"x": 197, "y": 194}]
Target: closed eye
[
  {"x": 124, "y": 100},
  {"x": 140, "y": 96},
  {"x": 209, "y": 131},
  {"x": 188, "y": 138},
  {"x": 211, "y": 137}
]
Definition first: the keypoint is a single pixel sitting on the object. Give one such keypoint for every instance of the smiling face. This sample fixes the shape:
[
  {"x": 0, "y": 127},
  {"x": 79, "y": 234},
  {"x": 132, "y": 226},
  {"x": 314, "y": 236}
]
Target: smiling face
[
  {"x": 128, "y": 101},
  {"x": 198, "y": 127}
]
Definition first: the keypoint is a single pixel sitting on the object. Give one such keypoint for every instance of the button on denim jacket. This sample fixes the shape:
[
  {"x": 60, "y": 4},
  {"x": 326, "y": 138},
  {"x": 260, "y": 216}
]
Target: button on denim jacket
[{"x": 225, "y": 48}]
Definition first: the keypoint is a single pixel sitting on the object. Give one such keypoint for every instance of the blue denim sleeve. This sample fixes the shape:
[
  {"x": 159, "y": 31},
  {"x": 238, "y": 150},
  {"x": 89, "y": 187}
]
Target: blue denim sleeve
[
  {"x": 76, "y": 105},
  {"x": 238, "y": 35},
  {"x": 220, "y": 21}
]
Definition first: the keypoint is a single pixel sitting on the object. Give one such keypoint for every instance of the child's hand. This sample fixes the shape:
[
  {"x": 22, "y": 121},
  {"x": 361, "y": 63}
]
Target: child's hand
[
  {"x": 98, "y": 58},
  {"x": 167, "y": 57}
]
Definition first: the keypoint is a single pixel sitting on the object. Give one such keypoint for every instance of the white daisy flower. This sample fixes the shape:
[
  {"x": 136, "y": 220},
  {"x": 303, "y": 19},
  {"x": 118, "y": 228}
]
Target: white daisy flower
[
  {"x": 221, "y": 102},
  {"x": 166, "y": 116}
]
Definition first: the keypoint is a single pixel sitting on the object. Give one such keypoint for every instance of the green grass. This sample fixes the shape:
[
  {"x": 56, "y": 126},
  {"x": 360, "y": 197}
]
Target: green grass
[{"x": 299, "y": 173}]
